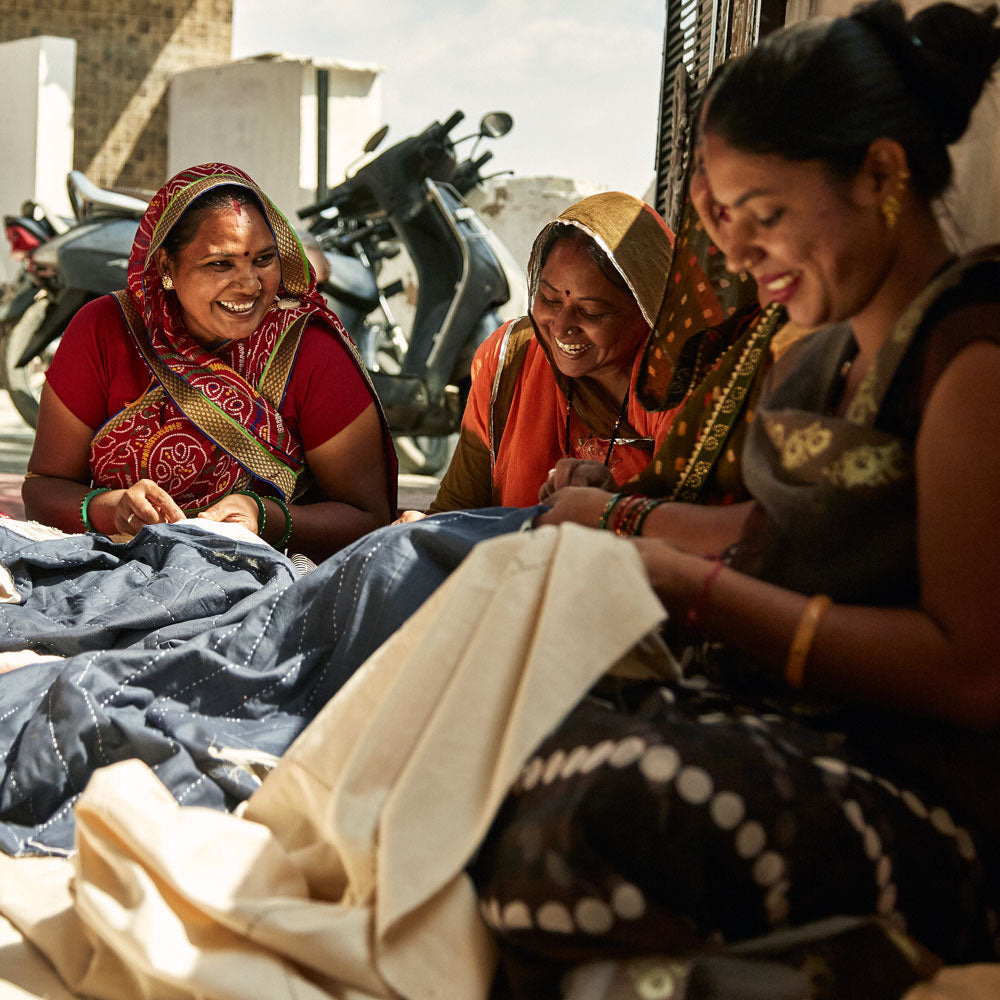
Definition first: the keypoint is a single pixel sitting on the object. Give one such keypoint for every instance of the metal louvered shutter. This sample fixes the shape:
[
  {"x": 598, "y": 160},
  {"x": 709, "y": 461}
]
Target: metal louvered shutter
[{"x": 699, "y": 35}]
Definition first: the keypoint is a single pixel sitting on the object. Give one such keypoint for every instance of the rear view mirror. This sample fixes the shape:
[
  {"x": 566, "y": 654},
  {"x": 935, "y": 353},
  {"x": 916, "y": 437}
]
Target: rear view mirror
[{"x": 494, "y": 124}]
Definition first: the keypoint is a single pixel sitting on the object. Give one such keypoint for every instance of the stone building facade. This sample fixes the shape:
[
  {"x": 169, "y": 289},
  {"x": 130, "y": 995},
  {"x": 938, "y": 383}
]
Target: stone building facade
[{"x": 127, "y": 52}]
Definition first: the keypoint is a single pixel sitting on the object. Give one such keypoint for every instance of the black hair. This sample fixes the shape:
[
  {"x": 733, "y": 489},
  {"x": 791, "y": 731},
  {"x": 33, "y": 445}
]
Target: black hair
[
  {"x": 825, "y": 90},
  {"x": 213, "y": 200},
  {"x": 564, "y": 232}
]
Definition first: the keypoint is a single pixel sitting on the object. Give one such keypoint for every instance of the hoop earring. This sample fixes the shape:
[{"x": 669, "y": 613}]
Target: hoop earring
[{"x": 167, "y": 282}]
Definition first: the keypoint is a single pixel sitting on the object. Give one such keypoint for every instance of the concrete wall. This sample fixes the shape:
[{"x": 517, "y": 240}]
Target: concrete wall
[
  {"x": 36, "y": 120},
  {"x": 516, "y": 208},
  {"x": 127, "y": 51},
  {"x": 261, "y": 115}
]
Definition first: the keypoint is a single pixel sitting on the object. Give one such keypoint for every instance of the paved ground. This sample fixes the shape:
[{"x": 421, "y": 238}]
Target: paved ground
[
  {"x": 15, "y": 446},
  {"x": 16, "y": 438}
]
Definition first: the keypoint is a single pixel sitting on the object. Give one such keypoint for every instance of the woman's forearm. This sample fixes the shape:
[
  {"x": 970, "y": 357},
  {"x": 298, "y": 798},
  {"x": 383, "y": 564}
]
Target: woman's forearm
[
  {"x": 702, "y": 529},
  {"x": 54, "y": 501},
  {"x": 320, "y": 529},
  {"x": 898, "y": 658}
]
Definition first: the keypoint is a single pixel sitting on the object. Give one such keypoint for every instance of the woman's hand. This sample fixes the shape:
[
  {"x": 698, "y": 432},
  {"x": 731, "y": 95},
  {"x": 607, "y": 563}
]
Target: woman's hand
[
  {"x": 577, "y": 472},
  {"x": 579, "y": 504},
  {"x": 236, "y": 508},
  {"x": 142, "y": 503},
  {"x": 409, "y": 516}
]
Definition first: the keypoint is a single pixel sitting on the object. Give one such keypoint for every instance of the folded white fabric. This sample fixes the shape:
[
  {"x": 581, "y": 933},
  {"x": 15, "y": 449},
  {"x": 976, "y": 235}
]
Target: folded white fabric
[{"x": 345, "y": 877}]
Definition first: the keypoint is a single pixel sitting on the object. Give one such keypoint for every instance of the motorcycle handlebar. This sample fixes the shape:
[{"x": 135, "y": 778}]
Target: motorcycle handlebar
[
  {"x": 427, "y": 148},
  {"x": 452, "y": 121},
  {"x": 339, "y": 194}
]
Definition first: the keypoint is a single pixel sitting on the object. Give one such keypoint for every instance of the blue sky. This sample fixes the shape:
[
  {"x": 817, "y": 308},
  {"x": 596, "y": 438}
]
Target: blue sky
[{"x": 580, "y": 77}]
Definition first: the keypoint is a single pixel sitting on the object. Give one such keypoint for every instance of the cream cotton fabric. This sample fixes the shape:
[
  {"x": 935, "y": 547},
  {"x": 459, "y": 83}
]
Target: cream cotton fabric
[{"x": 345, "y": 876}]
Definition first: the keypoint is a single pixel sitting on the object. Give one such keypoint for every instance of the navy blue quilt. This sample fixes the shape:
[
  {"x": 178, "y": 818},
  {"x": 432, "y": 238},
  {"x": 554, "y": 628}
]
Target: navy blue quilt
[{"x": 182, "y": 642}]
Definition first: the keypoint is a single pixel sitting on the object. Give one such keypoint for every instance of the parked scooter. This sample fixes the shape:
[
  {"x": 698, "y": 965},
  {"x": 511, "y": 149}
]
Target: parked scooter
[
  {"x": 25, "y": 233},
  {"x": 410, "y": 195},
  {"x": 60, "y": 274}
]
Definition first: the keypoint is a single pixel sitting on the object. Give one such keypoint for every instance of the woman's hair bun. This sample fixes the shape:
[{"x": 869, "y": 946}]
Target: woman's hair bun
[{"x": 944, "y": 54}]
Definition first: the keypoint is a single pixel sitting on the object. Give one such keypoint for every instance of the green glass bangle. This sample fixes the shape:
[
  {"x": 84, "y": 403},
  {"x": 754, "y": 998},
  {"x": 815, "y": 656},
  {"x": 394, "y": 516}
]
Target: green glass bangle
[
  {"x": 261, "y": 512},
  {"x": 85, "y": 506},
  {"x": 608, "y": 508},
  {"x": 644, "y": 511},
  {"x": 283, "y": 541}
]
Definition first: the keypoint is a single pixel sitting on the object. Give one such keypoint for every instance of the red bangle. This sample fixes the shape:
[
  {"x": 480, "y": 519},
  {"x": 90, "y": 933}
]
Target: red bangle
[
  {"x": 624, "y": 513},
  {"x": 697, "y": 606}
]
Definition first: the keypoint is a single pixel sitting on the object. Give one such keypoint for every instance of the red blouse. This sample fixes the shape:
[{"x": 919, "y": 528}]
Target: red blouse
[{"x": 97, "y": 371}]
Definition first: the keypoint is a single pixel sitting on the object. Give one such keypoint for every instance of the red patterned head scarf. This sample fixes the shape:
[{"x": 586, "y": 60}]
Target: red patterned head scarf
[{"x": 218, "y": 426}]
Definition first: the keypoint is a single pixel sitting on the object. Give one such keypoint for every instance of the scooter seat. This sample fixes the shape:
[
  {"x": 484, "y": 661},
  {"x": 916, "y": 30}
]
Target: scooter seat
[{"x": 352, "y": 282}]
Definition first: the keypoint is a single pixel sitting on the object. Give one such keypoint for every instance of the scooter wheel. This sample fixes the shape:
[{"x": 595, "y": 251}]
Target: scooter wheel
[
  {"x": 423, "y": 456},
  {"x": 24, "y": 384}
]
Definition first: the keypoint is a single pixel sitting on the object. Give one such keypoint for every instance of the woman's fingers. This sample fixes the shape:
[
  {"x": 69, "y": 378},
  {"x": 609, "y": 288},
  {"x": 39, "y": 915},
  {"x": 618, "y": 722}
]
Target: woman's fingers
[
  {"x": 236, "y": 508},
  {"x": 146, "y": 503},
  {"x": 409, "y": 516},
  {"x": 576, "y": 472}
]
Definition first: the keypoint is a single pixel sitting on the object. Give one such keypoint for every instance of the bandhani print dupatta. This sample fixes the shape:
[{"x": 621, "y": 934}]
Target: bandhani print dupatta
[
  {"x": 705, "y": 360},
  {"x": 209, "y": 422}
]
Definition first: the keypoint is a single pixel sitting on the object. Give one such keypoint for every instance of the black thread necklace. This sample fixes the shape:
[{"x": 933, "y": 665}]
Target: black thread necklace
[{"x": 618, "y": 422}]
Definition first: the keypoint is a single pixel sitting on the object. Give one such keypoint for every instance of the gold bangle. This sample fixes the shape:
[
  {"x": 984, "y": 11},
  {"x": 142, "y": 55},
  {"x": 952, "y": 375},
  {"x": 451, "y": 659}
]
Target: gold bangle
[{"x": 798, "y": 652}]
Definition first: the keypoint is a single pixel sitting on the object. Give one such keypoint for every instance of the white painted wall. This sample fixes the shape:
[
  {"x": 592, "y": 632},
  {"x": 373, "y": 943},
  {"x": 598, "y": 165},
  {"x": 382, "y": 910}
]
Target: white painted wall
[
  {"x": 37, "y": 80},
  {"x": 261, "y": 115},
  {"x": 516, "y": 208}
]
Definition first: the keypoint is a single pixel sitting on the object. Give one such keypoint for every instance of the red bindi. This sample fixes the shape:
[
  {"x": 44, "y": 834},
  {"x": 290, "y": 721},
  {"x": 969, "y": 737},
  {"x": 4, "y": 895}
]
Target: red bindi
[{"x": 237, "y": 207}]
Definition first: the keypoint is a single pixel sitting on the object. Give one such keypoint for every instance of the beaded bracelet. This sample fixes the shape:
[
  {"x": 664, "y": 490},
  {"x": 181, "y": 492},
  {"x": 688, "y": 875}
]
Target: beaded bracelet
[
  {"x": 613, "y": 502},
  {"x": 694, "y": 612},
  {"x": 85, "y": 506},
  {"x": 261, "y": 512},
  {"x": 283, "y": 541},
  {"x": 805, "y": 632}
]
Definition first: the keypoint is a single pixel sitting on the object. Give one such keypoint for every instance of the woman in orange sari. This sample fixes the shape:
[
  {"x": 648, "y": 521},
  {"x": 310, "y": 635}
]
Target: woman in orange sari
[{"x": 560, "y": 381}]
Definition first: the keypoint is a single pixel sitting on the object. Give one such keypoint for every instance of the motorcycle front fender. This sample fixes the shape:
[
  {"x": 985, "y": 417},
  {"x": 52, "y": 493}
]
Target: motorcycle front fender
[
  {"x": 59, "y": 312},
  {"x": 17, "y": 298}
]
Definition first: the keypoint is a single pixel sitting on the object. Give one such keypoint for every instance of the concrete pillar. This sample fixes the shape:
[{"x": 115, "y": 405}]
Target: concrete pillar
[
  {"x": 36, "y": 120},
  {"x": 262, "y": 115}
]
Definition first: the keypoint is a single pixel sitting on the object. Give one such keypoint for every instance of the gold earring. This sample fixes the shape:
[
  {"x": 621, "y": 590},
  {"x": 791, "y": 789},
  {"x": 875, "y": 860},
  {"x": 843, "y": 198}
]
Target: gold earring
[
  {"x": 890, "y": 212},
  {"x": 168, "y": 283},
  {"x": 891, "y": 207}
]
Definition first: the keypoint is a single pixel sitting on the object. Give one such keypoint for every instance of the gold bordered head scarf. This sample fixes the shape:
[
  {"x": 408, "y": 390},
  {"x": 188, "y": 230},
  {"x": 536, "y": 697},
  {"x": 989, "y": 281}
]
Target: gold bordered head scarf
[
  {"x": 633, "y": 236},
  {"x": 221, "y": 408}
]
